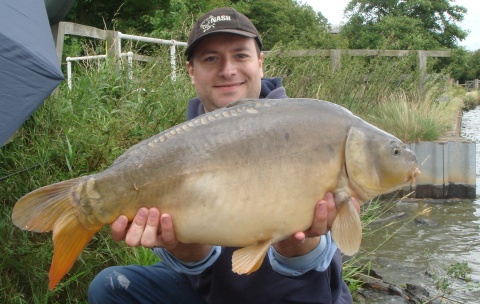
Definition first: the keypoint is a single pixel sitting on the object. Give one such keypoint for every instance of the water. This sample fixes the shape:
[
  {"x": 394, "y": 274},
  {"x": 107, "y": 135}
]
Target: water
[{"x": 444, "y": 233}]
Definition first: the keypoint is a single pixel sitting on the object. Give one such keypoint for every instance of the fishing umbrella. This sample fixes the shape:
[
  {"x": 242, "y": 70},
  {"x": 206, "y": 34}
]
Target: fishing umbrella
[{"x": 29, "y": 66}]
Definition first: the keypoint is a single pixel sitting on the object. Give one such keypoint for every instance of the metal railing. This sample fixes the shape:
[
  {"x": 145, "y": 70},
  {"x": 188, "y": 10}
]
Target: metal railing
[
  {"x": 114, "y": 46},
  {"x": 69, "y": 65},
  {"x": 172, "y": 43}
]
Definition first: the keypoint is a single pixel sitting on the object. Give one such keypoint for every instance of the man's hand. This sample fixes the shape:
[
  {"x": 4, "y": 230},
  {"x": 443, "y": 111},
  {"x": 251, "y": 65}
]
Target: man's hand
[
  {"x": 150, "y": 228},
  {"x": 303, "y": 242}
]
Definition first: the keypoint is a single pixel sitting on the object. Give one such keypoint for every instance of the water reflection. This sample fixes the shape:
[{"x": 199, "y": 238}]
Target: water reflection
[{"x": 433, "y": 235}]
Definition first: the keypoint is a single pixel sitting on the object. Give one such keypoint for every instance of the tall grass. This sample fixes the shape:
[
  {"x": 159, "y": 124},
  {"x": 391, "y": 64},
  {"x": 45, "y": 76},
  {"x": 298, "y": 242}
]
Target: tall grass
[
  {"x": 383, "y": 91},
  {"x": 82, "y": 131}
]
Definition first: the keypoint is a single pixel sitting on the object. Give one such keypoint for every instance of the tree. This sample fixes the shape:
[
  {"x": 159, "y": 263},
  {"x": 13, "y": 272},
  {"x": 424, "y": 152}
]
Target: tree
[
  {"x": 284, "y": 22},
  {"x": 407, "y": 24},
  {"x": 465, "y": 65},
  {"x": 125, "y": 16},
  {"x": 289, "y": 23}
]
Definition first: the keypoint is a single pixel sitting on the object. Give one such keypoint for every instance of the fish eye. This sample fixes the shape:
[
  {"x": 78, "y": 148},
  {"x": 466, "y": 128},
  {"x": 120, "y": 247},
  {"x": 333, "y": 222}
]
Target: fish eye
[{"x": 396, "y": 151}]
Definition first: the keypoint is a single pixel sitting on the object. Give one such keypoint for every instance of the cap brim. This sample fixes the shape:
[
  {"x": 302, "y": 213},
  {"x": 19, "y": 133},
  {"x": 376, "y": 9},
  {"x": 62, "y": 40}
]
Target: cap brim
[{"x": 190, "y": 48}]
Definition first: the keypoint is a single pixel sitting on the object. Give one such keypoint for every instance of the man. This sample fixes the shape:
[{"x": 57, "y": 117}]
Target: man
[{"x": 225, "y": 64}]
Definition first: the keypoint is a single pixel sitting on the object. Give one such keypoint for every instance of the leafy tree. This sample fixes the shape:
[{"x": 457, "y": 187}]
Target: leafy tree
[
  {"x": 289, "y": 23},
  {"x": 124, "y": 16},
  {"x": 465, "y": 65},
  {"x": 284, "y": 22},
  {"x": 407, "y": 24},
  {"x": 459, "y": 64},
  {"x": 474, "y": 66}
]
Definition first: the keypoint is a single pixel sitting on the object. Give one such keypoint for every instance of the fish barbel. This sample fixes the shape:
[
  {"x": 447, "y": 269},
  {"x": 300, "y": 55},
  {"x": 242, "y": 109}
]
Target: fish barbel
[{"x": 245, "y": 176}]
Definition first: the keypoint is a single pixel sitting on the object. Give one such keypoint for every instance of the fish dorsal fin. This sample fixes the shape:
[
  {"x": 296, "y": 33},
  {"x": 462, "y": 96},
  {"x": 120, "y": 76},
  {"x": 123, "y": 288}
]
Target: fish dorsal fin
[
  {"x": 248, "y": 259},
  {"x": 240, "y": 102}
]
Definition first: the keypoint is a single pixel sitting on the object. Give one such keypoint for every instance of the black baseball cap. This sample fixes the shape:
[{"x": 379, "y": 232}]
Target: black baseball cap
[{"x": 221, "y": 20}]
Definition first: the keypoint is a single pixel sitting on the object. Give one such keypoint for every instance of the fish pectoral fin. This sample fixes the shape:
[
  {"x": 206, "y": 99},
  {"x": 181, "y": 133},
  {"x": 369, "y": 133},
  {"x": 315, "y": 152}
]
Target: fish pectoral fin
[
  {"x": 347, "y": 228},
  {"x": 248, "y": 259},
  {"x": 69, "y": 238}
]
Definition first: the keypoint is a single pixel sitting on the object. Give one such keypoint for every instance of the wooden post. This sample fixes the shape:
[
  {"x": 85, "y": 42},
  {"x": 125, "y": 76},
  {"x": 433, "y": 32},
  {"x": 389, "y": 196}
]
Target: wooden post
[
  {"x": 58, "y": 33},
  {"x": 422, "y": 67},
  {"x": 114, "y": 48},
  {"x": 335, "y": 60}
]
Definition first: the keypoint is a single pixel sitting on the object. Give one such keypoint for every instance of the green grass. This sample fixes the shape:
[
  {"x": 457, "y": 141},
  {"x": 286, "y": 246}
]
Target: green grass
[{"x": 82, "y": 131}]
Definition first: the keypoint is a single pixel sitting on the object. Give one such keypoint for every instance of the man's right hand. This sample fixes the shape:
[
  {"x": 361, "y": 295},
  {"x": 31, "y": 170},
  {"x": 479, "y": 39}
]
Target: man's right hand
[{"x": 150, "y": 228}]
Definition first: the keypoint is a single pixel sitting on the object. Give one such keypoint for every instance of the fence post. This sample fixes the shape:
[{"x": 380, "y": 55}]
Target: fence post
[
  {"x": 69, "y": 73},
  {"x": 172, "y": 61},
  {"x": 114, "y": 48},
  {"x": 58, "y": 33},
  {"x": 130, "y": 63},
  {"x": 335, "y": 60},
  {"x": 422, "y": 67}
]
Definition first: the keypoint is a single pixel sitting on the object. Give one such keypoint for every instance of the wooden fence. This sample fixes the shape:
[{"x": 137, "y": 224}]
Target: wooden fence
[
  {"x": 114, "y": 48},
  {"x": 472, "y": 85}
]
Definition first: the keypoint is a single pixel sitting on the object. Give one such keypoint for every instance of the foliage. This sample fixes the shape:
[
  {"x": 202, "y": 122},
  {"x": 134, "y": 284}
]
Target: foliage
[
  {"x": 471, "y": 100},
  {"x": 285, "y": 21},
  {"x": 474, "y": 66},
  {"x": 414, "y": 24},
  {"x": 459, "y": 66},
  {"x": 465, "y": 65},
  {"x": 124, "y": 15},
  {"x": 447, "y": 281}
]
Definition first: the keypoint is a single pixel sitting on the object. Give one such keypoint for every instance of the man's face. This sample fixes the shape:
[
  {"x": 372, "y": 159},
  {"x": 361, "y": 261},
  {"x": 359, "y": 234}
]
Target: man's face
[{"x": 225, "y": 68}]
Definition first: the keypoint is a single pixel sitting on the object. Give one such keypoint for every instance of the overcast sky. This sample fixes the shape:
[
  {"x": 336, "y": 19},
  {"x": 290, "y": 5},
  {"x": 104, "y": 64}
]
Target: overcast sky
[{"x": 333, "y": 11}]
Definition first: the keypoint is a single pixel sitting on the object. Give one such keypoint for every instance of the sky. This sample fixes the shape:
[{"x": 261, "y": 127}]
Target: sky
[{"x": 333, "y": 11}]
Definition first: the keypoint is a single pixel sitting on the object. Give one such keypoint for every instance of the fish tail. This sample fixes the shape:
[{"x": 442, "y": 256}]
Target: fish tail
[
  {"x": 347, "y": 228},
  {"x": 53, "y": 208}
]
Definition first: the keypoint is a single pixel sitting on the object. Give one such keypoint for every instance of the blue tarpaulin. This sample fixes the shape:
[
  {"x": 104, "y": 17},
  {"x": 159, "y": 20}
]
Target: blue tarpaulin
[{"x": 29, "y": 66}]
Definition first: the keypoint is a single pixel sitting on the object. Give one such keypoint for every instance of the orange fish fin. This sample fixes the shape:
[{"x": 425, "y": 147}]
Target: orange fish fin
[
  {"x": 39, "y": 210},
  {"x": 248, "y": 259},
  {"x": 53, "y": 208},
  {"x": 69, "y": 238},
  {"x": 347, "y": 228}
]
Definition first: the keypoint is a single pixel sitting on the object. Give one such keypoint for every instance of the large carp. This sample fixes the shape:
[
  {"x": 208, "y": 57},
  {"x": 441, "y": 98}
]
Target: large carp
[{"x": 246, "y": 176}]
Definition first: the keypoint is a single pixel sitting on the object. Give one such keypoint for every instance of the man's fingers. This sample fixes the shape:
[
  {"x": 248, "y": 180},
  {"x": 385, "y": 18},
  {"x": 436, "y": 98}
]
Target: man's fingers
[
  {"x": 151, "y": 231},
  {"x": 319, "y": 226},
  {"x": 300, "y": 236},
  {"x": 135, "y": 232},
  {"x": 356, "y": 204},
  {"x": 168, "y": 234},
  {"x": 118, "y": 229}
]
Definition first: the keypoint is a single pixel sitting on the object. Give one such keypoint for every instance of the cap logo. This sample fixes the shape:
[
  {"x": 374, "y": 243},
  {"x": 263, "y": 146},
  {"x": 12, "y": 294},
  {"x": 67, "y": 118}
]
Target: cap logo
[{"x": 211, "y": 21}]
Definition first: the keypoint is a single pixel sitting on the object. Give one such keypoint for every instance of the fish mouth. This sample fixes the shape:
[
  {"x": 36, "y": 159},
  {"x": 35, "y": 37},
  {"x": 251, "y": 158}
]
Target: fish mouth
[{"x": 414, "y": 173}]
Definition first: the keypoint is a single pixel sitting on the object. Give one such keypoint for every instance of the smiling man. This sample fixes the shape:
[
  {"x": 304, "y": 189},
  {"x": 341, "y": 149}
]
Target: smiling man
[{"x": 225, "y": 64}]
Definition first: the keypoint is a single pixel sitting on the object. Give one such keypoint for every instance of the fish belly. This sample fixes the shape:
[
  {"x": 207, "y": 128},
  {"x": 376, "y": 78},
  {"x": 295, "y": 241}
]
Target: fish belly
[{"x": 268, "y": 201}]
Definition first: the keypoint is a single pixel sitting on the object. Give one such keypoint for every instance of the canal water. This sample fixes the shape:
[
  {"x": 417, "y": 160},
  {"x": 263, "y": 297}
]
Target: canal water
[{"x": 429, "y": 239}]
